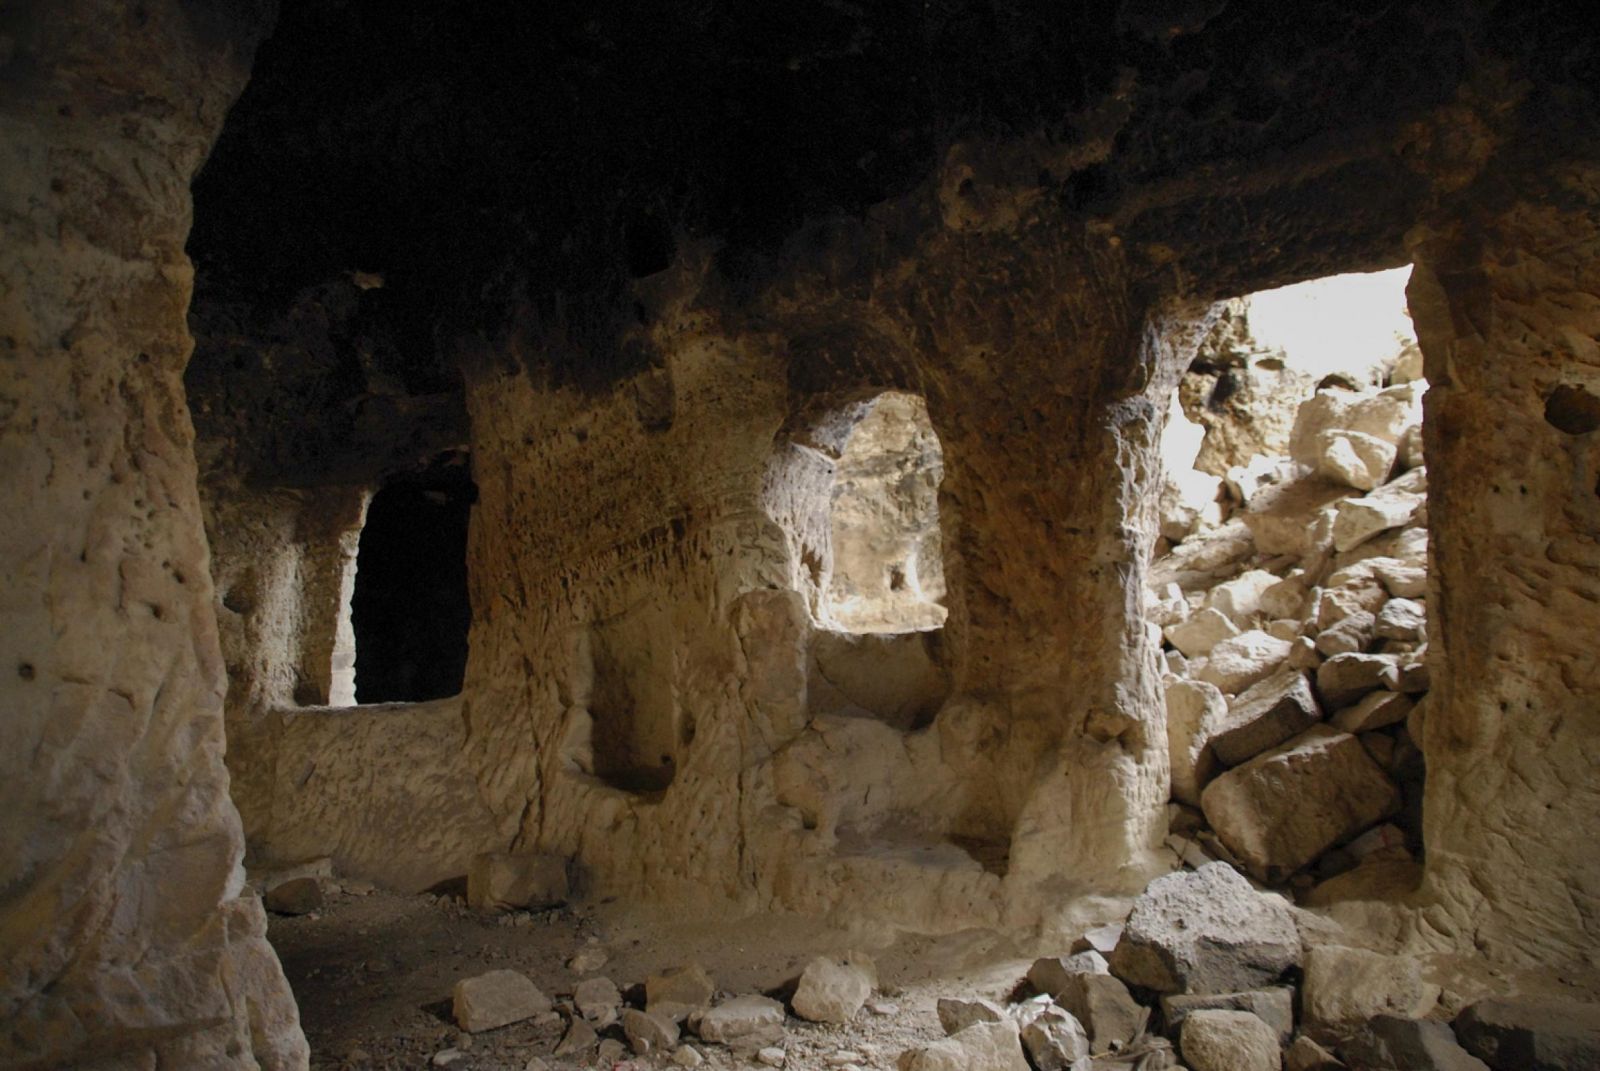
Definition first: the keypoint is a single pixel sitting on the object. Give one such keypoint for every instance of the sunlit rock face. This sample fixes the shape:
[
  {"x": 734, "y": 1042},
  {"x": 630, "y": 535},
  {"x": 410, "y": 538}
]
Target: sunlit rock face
[
  {"x": 123, "y": 936},
  {"x": 645, "y": 269},
  {"x": 888, "y": 566}
]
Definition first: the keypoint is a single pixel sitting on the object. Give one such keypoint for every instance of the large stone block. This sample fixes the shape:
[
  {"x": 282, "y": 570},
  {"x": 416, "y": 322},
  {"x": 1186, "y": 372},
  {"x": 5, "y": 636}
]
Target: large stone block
[
  {"x": 1529, "y": 1034},
  {"x": 1282, "y": 809},
  {"x": 1237, "y": 663},
  {"x": 501, "y": 880},
  {"x": 980, "y": 1047},
  {"x": 1273, "y": 1006},
  {"x": 833, "y": 990},
  {"x": 1265, "y": 715},
  {"x": 1216, "y": 1040},
  {"x": 496, "y": 999},
  {"x": 1345, "y": 987},
  {"x": 1205, "y": 932},
  {"x": 1194, "y": 710}
]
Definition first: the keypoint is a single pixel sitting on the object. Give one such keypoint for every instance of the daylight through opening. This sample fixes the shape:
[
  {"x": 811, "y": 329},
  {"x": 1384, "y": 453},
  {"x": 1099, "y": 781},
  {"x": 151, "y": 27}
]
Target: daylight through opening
[
  {"x": 1289, "y": 583},
  {"x": 888, "y": 567}
]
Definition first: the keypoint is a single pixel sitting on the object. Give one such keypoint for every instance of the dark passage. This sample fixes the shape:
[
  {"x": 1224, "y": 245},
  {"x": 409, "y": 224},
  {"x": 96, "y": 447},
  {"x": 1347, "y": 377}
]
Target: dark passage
[{"x": 410, "y": 608}]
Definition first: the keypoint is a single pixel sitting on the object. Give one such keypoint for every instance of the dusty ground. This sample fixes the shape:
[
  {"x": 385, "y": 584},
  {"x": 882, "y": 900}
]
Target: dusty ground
[{"x": 373, "y": 975}]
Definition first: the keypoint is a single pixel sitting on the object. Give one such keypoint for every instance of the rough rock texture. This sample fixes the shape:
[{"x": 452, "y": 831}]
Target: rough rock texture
[
  {"x": 1265, "y": 715},
  {"x": 122, "y": 936},
  {"x": 980, "y": 1047},
  {"x": 1273, "y": 1006},
  {"x": 1394, "y": 1043},
  {"x": 1229, "y": 1041},
  {"x": 499, "y": 880},
  {"x": 1542, "y": 1035},
  {"x": 496, "y": 999},
  {"x": 1206, "y": 932},
  {"x": 1283, "y": 808},
  {"x": 1055, "y": 1040},
  {"x": 1511, "y": 802},
  {"x": 833, "y": 990},
  {"x": 1345, "y": 987}
]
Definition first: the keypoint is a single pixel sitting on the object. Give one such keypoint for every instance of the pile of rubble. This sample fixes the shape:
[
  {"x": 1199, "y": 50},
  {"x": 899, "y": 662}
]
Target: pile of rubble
[
  {"x": 1212, "y": 972},
  {"x": 670, "y": 1019},
  {"x": 1291, "y": 599}
]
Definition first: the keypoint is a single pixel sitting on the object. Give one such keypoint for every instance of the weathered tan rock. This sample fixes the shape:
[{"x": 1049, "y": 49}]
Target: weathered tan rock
[
  {"x": 1344, "y": 987},
  {"x": 1235, "y": 664},
  {"x": 1273, "y": 1006},
  {"x": 833, "y": 990},
  {"x": 500, "y": 880},
  {"x": 742, "y": 1019},
  {"x": 597, "y": 1000},
  {"x": 980, "y": 1047},
  {"x": 1282, "y": 809},
  {"x": 1375, "y": 710},
  {"x": 496, "y": 999},
  {"x": 1343, "y": 679},
  {"x": 1403, "y": 580},
  {"x": 1306, "y": 1055},
  {"x": 682, "y": 988},
  {"x": 1240, "y": 598},
  {"x": 1264, "y": 716},
  {"x": 1359, "y": 519},
  {"x": 1351, "y": 634},
  {"x": 297, "y": 896},
  {"x": 579, "y": 1038},
  {"x": 1531, "y": 1033},
  {"x": 1205, "y": 932},
  {"x": 1294, "y": 518},
  {"x": 122, "y": 922},
  {"x": 648, "y": 1032},
  {"x": 1403, "y": 619},
  {"x": 1055, "y": 1040},
  {"x": 956, "y": 1014},
  {"x": 1194, "y": 712},
  {"x": 1354, "y": 459},
  {"x": 1102, "y": 1004},
  {"x": 1229, "y": 1041},
  {"x": 1396, "y": 1043},
  {"x": 1199, "y": 633}
]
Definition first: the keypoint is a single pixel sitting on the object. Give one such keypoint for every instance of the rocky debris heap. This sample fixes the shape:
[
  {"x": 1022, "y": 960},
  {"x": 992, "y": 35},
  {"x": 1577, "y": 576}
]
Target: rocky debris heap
[
  {"x": 604, "y": 1024},
  {"x": 1211, "y": 974},
  {"x": 1292, "y": 606}
]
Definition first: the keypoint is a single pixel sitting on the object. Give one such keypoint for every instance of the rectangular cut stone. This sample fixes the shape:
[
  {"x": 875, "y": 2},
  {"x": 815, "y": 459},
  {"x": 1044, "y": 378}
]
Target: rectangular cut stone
[
  {"x": 502, "y": 880},
  {"x": 1265, "y": 715},
  {"x": 1282, "y": 809}
]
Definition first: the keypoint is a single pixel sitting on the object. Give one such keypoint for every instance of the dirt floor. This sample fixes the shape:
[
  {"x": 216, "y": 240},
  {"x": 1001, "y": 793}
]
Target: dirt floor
[{"x": 373, "y": 973}]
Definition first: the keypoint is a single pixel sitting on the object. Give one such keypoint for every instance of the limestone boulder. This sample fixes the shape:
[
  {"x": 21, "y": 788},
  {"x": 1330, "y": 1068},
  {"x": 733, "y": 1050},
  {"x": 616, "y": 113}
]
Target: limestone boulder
[
  {"x": 1205, "y": 932},
  {"x": 1200, "y": 632},
  {"x": 832, "y": 990},
  {"x": 499, "y": 881},
  {"x": 1349, "y": 635},
  {"x": 297, "y": 896},
  {"x": 1375, "y": 710},
  {"x": 980, "y": 1047},
  {"x": 1239, "y": 599},
  {"x": 1216, "y": 1040},
  {"x": 955, "y": 1014},
  {"x": 1394, "y": 1043},
  {"x": 1282, "y": 809},
  {"x": 496, "y": 999},
  {"x": 1403, "y": 619},
  {"x": 1306, "y": 1055},
  {"x": 648, "y": 1032},
  {"x": 1354, "y": 459},
  {"x": 1345, "y": 678},
  {"x": 678, "y": 991},
  {"x": 598, "y": 1000},
  {"x": 1194, "y": 711},
  {"x": 1357, "y": 520},
  {"x": 1533, "y": 1034},
  {"x": 1235, "y": 664},
  {"x": 1344, "y": 987},
  {"x": 752, "y": 1020},
  {"x": 1083, "y": 986},
  {"x": 1273, "y": 1006},
  {"x": 1264, "y": 716},
  {"x": 1294, "y": 518},
  {"x": 1055, "y": 1040}
]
